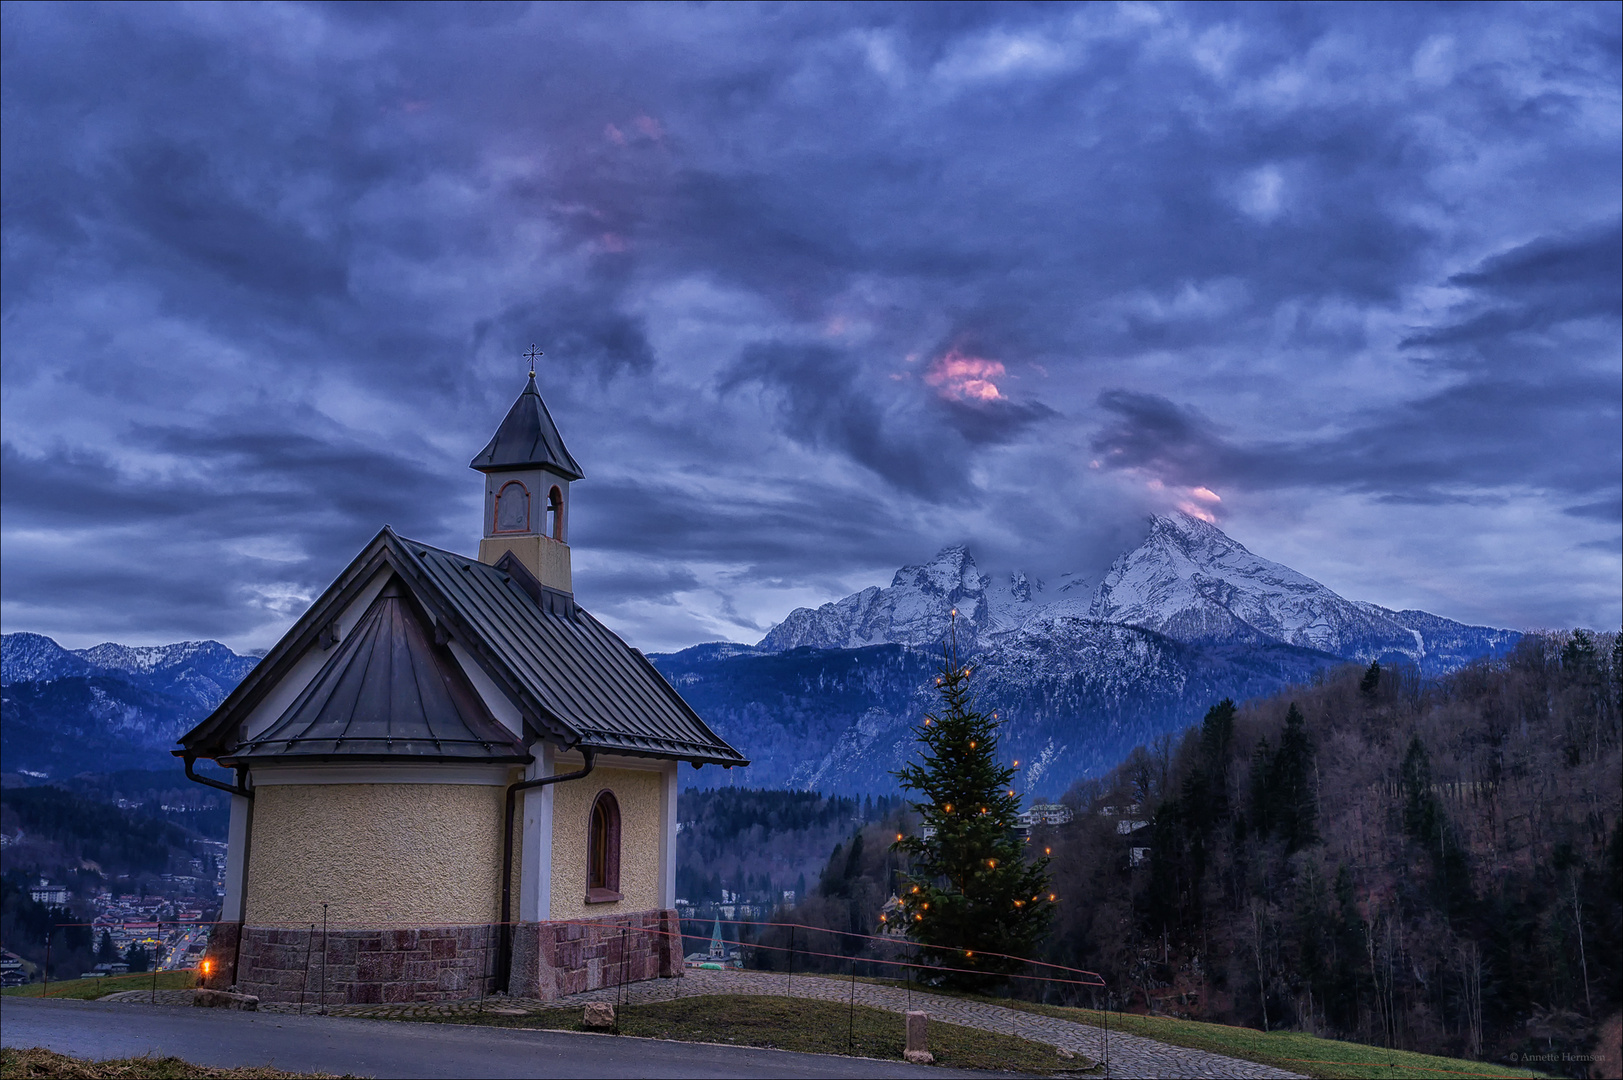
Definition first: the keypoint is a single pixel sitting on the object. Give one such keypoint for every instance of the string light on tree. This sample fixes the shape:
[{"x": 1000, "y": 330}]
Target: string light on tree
[{"x": 970, "y": 872}]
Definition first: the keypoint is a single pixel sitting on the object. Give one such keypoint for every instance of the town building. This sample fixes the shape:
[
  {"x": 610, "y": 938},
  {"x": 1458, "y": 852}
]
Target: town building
[
  {"x": 450, "y": 778},
  {"x": 1042, "y": 814}
]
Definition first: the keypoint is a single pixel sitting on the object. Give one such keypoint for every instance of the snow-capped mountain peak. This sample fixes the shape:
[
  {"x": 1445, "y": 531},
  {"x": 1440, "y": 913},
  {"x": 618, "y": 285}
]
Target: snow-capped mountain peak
[
  {"x": 915, "y": 610},
  {"x": 1188, "y": 580}
]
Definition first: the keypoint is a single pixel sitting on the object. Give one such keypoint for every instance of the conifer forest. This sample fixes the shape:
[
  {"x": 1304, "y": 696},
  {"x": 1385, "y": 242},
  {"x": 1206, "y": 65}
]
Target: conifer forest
[{"x": 1432, "y": 865}]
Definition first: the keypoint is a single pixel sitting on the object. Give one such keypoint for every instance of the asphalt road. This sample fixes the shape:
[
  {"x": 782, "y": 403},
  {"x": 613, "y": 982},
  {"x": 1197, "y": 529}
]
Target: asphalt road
[{"x": 226, "y": 1038}]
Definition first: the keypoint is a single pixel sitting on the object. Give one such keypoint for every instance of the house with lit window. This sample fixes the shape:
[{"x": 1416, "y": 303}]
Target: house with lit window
[{"x": 450, "y": 779}]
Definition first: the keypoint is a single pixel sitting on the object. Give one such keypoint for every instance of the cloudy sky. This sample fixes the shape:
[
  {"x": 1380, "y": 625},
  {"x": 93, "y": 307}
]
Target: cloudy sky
[{"x": 821, "y": 289}]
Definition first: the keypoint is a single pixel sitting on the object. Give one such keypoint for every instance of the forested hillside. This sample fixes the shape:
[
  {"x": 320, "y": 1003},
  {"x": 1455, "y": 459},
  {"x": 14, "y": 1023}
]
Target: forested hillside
[
  {"x": 1433, "y": 865},
  {"x": 760, "y": 843}
]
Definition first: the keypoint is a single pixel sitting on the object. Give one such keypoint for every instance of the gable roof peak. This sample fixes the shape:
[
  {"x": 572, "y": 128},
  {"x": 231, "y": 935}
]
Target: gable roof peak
[{"x": 527, "y": 439}]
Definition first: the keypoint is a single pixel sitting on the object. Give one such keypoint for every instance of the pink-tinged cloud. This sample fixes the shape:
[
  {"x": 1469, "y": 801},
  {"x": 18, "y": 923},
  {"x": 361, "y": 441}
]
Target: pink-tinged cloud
[
  {"x": 1195, "y": 510},
  {"x": 613, "y": 242},
  {"x": 965, "y": 378},
  {"x": 650, "y": 127},
  {"x": 1197, "y": 501},
  {"x": 614, "y": 135}
]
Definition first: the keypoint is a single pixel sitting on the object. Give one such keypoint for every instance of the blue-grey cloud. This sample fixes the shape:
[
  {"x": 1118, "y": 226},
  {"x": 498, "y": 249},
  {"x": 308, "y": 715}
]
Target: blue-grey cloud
[{"x": 268, "y": 272}]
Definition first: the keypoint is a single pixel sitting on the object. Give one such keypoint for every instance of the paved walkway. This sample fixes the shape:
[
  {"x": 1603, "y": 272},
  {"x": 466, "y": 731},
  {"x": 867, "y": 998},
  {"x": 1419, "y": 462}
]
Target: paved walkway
[
  {"x": 224, "y": 1038},
  {"x": 1126, "y": 1055}
]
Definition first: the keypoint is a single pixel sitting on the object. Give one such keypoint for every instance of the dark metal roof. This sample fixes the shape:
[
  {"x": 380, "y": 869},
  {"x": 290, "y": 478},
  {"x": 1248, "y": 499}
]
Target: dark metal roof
[
  {"x": 574, "y": 681},
  {"x": 605, "y": 693},
  {"x": 526, "y": 439},
  {"x": 387, "y": 691}
]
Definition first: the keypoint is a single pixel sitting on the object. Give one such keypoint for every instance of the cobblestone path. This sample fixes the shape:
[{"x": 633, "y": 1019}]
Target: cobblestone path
[{"x": 1126, "y": 1055}]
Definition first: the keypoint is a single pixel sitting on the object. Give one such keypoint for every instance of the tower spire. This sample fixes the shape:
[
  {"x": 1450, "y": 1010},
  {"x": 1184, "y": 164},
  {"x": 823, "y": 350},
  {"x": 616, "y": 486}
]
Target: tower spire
[{"x": 528, "y": 471}]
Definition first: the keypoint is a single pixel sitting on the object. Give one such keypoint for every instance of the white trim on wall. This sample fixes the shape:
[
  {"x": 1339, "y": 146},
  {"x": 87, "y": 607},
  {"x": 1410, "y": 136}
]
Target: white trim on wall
[
  {"x": 667, "y": 852},
  {"x": 535, "y": 884}
]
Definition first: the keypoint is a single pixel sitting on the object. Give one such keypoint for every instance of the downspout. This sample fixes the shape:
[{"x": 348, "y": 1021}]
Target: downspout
[
  {"x": 504, "y": 954},
  {"x": 242, "y": 789},
  {"x": 237, "y": 789}
]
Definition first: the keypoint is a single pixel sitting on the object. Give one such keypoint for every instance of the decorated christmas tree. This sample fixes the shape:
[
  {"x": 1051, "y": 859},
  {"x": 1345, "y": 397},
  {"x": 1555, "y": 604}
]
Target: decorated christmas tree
[{"x": 970, "y": 886}]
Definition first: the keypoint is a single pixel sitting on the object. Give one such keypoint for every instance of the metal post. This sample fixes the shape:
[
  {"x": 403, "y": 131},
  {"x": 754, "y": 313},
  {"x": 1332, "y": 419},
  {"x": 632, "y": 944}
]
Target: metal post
[
  {"x": 323, "y": 959},
  {"x": 1107, "y": 1033},
  {"x": 155, "y": 964},
  {"x": 309, "y": 947},
  {"x": 789, "y": 984},
  {"x": 49, "y": 931},
  {"x": 484, "y": 964},
  {"x": 851, "y": 1016}
]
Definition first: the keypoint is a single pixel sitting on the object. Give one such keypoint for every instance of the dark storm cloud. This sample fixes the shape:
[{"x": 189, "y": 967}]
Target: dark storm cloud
[
  {"x": 1536, "y": 341},
  {"x": 1525, "y": 295},
  {"x": 268, "y": 271}
]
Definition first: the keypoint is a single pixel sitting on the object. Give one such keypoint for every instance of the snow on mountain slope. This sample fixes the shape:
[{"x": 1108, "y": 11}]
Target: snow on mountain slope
[
  {"x": 28, "y": 657},
  {"x": 111, "y": 706},
  {"x": 1188, "y": 580},
  {"x": 915, "y": 610},
  {"x": 1191, "y": 581}
]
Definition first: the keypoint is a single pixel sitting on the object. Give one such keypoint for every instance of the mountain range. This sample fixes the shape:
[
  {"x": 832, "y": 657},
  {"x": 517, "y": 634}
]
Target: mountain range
[
  {"x": 828, "y": 698},
  {"x": 1081, "y": 672},
  {"x": 110, "y": 707}
]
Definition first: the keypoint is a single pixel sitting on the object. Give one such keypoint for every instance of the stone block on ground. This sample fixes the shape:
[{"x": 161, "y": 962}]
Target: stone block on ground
[
  {"x": 224, "y": 999},
  {"x": 599, "y": 1015}
]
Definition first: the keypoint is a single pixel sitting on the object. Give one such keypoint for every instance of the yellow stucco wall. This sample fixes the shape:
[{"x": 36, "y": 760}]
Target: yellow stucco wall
[
  {"x": 378, "y": 854},
  {"x": 640, "y": 794}
]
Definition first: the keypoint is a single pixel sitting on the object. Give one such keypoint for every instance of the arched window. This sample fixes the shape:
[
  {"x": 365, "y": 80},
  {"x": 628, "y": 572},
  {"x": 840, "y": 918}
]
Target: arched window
[
  {"x": 555, "y": 514},
  {"x": 603, "y": 851},
  {"x": 513, "y": 508}
]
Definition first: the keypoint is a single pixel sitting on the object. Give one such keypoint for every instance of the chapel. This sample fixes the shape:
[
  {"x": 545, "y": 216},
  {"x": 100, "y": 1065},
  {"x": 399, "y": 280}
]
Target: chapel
[{"x": 450, "y": 779}]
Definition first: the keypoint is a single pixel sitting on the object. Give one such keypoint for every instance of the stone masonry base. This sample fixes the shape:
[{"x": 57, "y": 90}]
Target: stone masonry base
[
  {"x": 446, "y": 963},
  {"x": 555, "y": 959},
  {"x": 360, "y": 967}
]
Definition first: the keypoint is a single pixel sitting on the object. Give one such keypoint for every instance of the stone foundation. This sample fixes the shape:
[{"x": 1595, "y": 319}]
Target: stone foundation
[
  {"x": 448, "y": 963},
  {"x": 555, "y": 959},
  {"x": 367, "y": 967}
]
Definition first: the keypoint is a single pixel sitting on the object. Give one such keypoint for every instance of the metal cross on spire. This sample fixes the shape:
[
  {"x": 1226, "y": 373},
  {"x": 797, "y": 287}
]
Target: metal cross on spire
[{"x": 530, "y": 356}]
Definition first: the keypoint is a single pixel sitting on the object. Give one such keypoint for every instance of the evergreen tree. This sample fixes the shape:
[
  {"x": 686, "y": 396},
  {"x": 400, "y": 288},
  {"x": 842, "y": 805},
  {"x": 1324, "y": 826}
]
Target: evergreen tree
[
  {"x": 106, "y": 952},
  {"x": 970, "y": 885},
  {"x": 137, "y": 957},
  {"x": 1261, "y": 795},
  {"x": 1295, "y": 807},
  {"x": 1371, "y": 680},
  {"x": 1216, "y": 747}
]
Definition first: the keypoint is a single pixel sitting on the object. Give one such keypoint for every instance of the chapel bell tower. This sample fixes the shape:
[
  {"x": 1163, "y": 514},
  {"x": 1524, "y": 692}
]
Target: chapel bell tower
[{"x": 528, "y": 471}]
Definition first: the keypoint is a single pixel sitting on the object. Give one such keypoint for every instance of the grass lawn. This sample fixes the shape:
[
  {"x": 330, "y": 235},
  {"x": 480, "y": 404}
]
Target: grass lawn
[
  {"x": 89, "y": 989},
  {"x": 1293, "y": 1051},
  {"x": 813, "y": 1027},
  {"x": 34, "y": 1062}
]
